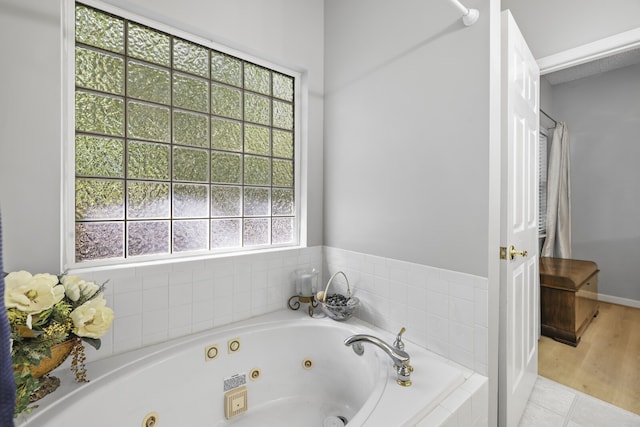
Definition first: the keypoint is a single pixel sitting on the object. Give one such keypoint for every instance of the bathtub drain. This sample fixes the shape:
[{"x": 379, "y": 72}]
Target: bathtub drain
[
  {"x": 335, "y": 421},
  {"x": 150, "y": 420}
]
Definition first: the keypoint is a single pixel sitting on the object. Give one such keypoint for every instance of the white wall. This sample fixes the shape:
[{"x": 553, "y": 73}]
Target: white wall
[
  {"x": 407, "y": 132},
  {"x": 603, "y": 116},
  {"x": 30, "y": 134},
  {"x": 552, "y": 26},
  {"x": 286, "y": 32},
  {"x": 152, "y": 303},
  {"x": 546, "y": 99}
]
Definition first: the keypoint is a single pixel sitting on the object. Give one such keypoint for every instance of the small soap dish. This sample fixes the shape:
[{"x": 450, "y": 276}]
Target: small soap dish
[{"x": 337, "y": 306}]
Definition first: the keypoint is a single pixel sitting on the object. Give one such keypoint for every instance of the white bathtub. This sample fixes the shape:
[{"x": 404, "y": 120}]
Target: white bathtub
[{"x": 175, "y": 381}]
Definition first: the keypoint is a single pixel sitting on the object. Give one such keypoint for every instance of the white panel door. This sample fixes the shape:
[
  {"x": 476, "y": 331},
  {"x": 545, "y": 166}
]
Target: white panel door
[{"x": 519, "y": 278}]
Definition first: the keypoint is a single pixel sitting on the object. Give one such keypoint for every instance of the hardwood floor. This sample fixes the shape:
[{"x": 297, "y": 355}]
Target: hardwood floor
[{"x": 606, "y": 363}]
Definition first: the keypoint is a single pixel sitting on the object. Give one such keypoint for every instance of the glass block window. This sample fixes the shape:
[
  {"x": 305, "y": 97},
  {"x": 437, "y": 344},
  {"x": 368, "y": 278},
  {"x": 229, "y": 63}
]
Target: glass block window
[{"x": 179, "y": 148}]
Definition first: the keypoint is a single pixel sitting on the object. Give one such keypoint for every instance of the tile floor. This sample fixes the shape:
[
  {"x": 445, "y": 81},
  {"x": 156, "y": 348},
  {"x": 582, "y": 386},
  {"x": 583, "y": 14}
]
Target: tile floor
[{"x": 554, "y": 405}]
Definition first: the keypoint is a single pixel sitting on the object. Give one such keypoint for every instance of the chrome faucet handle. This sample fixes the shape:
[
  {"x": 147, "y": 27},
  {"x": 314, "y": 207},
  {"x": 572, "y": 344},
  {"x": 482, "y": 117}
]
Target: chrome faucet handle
[
  {"x": 398, "y": 342},
  {"x": 400, "y": 358},
  {"x": 404, "y": 371}
]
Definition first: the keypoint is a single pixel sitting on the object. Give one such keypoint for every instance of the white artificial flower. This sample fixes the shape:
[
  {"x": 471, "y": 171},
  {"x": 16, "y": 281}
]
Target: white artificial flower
[
  {"x": 75, "y": 287},
  {"x": 71, "y": 286},
  {"x": 32, "y": 294},
  {"x": 92, "y": 319}
]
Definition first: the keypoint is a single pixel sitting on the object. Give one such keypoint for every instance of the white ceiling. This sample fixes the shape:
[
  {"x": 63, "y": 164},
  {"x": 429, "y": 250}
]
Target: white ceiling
[{"x": 608, "y": 63}]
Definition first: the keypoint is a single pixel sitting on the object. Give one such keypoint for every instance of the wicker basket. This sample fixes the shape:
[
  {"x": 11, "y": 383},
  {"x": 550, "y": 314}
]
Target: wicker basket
[{"x": 59, "y": 354}]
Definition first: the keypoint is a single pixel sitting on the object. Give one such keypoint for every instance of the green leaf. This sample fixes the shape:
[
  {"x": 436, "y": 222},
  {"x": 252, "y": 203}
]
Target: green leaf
[
  {"x": 93, "y": 342},
  {"x": 26, "y": 385}
]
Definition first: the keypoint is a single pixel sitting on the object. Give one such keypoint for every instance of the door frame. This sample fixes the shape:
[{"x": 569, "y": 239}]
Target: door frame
[{"x": 617, "y": 43}]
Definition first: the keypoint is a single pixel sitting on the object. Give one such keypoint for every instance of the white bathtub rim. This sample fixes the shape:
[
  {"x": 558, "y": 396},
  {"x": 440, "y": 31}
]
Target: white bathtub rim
[
  {"x": 112, "y": 367},
  {"x": 108, "y": 369}
]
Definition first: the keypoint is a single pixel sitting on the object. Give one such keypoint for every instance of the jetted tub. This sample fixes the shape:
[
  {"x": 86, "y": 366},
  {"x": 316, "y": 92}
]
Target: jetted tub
[{"x": 295, "y": 369}]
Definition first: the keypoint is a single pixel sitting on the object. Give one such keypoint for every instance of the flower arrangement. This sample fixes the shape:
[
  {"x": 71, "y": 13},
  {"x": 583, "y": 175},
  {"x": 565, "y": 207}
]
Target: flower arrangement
[{"x": 45, "y": 310}]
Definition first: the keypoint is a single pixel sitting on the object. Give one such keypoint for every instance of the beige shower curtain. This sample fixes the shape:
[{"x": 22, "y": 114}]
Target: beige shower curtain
[{"x": 558, "y": 241}]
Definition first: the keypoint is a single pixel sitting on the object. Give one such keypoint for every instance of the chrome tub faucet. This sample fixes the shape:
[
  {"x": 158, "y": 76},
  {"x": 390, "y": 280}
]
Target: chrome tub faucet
[{"x": 396, "y": 352}]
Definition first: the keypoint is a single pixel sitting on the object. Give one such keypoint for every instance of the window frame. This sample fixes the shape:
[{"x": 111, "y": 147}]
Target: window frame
[{"x": 68, "y": 255}]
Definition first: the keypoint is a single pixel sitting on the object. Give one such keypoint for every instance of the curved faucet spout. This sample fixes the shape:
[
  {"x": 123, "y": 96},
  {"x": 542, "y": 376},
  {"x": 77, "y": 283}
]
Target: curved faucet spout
[{"x": 400, "y": 357}]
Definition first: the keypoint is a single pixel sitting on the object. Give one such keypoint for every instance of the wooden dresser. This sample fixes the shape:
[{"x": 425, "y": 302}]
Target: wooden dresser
[{"x": 568, "y": 297}]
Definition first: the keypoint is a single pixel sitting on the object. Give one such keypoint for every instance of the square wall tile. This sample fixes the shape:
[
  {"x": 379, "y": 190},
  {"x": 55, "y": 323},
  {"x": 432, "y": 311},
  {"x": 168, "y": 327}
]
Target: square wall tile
[
  {"x": 180, "y": 277},
  {"x": 417, "y": 296},
  {"x": 124, "y": 285},
  {"x": 154, "y": 270},
  {"x": 203, "y": 290},
  {"x": 180, "y": 317},
  {"x": 241, "y": 302},
  {"x": 417, "y": 325},
  {"x": 127, "y": 304},
  {"x": 464, "y": 291},
  {"x": 398, "y": 316},
  {"x": 155, "y": 281},
  {"x": 180, "y": 294},
  {"x": 461, "y": 311},
  {"x": 399, "y": 292},
  {"x": 462, "y": 336},
  {"x": 435, "y": 283},
  {"x": 221, "y": 267},
  {"x": 155, "y": 323},
  {"x": 461, "y": 356},
  {"x": 438, "y": 304},
  {"x": 398, "y": 270},
  {"x": 481, "y": 304},
  {"x": 202, "y": 311},
  {"x": 127, "y": 333},
  {"x": 223, "y": 286},
  {"x": 438, "y": 327},
  {"x": 480, "y": 349},
  {"x": 155, "y": 299}
]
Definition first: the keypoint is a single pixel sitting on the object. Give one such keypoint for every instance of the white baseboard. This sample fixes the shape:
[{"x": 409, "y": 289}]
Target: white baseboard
[{"x": 621, "y": 301}]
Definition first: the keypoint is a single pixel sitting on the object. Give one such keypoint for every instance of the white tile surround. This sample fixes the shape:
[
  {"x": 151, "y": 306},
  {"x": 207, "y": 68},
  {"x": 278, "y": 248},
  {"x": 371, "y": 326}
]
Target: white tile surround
[
  {"x": 154, "y": 303},
  {"x": 443, "y": 311}
]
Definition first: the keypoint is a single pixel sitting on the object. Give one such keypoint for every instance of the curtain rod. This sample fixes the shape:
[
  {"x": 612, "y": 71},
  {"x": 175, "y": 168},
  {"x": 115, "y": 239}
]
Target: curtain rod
[
  {"x": 555, "y": 122},
  {"x": 469, "y": 16}
]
